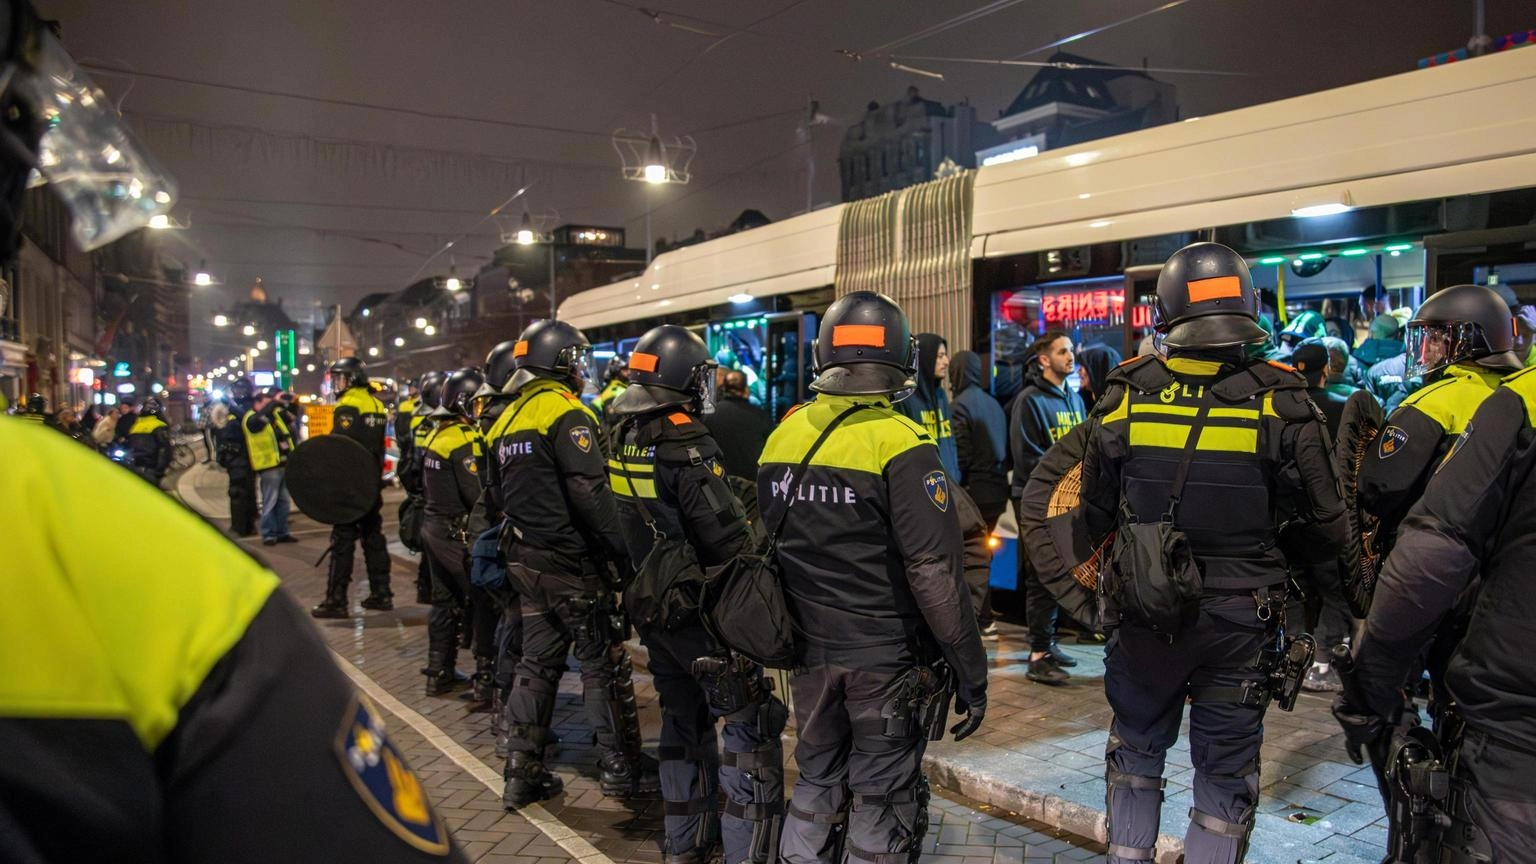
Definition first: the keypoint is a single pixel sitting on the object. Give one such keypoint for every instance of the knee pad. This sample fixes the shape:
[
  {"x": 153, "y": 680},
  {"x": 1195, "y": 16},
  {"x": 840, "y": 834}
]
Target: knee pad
[{"x": 910, "y": 807}]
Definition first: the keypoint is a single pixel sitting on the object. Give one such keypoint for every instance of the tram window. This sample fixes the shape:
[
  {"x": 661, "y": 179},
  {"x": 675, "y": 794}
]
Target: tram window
[
  {"x": 1091, "y": 311},
  {"x": 1337, "y": 295},
  {"x": 771, "y": 351}
]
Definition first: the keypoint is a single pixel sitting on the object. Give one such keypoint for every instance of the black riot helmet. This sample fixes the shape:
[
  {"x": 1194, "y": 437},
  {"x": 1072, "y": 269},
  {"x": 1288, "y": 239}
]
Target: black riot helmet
[
  {"x": 241, "y": 391},
  {"x": 36, "y": 404},
  {"x": 550, "y": 349},
  {"x": 431, "y": 387},
  {"x": 152, "y": 408},
  {"x": 865, "y": 348},
  {"x": 618, "y": 369},
  {"x": 348, "y": 372},
  {"x": 670, "y": 366},
  {"x": 1460, "y": 324},
  {"x": 498, "y": 365},
  {"x": 1205, "y": 299},
  {"x": 458, "y": 393}
]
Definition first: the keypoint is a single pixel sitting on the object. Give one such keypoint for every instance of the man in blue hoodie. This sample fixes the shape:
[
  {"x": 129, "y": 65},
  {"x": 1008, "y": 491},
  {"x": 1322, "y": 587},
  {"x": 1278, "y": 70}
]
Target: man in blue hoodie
[
  {"x": 1044, "y": 412},
  {"x": 929, "y": 404}
]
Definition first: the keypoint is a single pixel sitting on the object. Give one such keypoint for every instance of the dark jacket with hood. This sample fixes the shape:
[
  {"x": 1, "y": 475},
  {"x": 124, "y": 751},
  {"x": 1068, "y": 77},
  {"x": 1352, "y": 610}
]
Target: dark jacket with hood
[
  {"x": 981, "y": 436},
  {"x": 929, "y": 404},
  {"x": 1042, "y": 414},
  {"x": 1096, "y": 362}
]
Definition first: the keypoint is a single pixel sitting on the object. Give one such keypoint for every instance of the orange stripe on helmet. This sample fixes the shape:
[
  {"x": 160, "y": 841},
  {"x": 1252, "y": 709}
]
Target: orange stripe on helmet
[
  {"x": 680, "y": 419},
  {"x": 858, "y": 335},
  {"x": 643, "y": 362},
  {"x": 521, "y": 348},
  {"x": 1215, "y": 288}
]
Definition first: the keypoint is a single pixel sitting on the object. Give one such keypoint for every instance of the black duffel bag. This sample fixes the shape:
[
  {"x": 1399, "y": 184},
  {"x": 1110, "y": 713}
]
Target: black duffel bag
[
  {"x": 744, "y": 608},
  {"x": 412, "y": 515}
]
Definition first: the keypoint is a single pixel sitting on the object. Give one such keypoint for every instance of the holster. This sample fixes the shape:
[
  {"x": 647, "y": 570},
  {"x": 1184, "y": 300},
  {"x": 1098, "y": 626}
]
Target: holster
[
  {"x": 920, "y": 704},
  {"x": 731, "y": 682}
]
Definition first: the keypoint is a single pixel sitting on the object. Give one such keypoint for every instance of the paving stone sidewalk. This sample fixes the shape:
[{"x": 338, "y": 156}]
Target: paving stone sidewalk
[
  {"x": 1041, "y": 753},
  {"x": 390, "y": 648}
]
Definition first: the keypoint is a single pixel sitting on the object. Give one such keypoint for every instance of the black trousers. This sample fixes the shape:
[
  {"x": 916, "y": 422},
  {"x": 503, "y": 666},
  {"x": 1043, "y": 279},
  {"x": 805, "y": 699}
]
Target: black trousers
[
  {"x": 691, "y": 768},
  {"x": 1148, "y": 681},
  {"x": 1039, "y": 603},
  {"x": 242, "y": 502},
  {"x": 369, "y": 531},
  {"x": 851, "y": 773},
  {"x": 1495, "y": 784}
]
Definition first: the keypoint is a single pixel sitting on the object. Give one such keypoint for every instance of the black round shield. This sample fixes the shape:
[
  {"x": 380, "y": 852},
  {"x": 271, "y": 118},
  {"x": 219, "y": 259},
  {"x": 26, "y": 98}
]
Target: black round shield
[{"x": 332, "y": 479}]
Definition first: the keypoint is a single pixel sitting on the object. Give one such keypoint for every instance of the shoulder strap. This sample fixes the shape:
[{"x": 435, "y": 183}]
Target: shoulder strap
[
  {"x": 645, "y": 512},
  {"x": 1182, "y": 474},
  {"x": 794, "y": 480}
]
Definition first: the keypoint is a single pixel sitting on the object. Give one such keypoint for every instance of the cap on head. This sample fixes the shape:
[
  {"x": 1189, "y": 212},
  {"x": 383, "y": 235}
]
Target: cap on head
[{"x": 1205, "y": 299}]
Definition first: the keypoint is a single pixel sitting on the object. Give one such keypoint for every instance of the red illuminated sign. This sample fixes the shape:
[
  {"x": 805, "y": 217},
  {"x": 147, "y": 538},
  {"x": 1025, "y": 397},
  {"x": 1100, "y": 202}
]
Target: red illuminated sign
[{"x": 1076, "y": 306}]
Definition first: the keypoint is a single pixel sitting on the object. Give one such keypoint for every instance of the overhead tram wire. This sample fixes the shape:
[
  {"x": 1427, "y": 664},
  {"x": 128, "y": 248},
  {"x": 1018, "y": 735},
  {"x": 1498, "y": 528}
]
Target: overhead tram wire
[
  {"x": 959, "y": 20},
  {"x": 1097, "y": 30},
  {"x": 1166, "y": 70}
]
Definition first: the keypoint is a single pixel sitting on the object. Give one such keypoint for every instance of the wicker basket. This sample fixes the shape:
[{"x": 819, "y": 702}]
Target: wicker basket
[{"x": 1065, "y": 497}]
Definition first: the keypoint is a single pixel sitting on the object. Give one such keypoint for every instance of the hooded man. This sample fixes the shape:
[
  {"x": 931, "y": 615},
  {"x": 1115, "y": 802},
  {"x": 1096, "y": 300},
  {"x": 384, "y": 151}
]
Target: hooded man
[
  {"x": 981, "y": 437},
  {"x": 1094, "y": 363},
  {"x": 1384, "y": 341},
  {"x": 929, "y": 404}
]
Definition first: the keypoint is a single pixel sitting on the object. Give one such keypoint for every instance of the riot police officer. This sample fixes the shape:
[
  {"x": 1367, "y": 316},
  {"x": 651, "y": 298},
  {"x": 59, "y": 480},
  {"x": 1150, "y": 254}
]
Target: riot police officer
[
  {"x": 615, "y": 381},
  {"x": 870, "y": 552},
  {"x": 1474, "y": 526},
  {"x": 490, "y": 403},
  {"x": 362, "y": 417},
  {"x": 149, "y": 442},
  {"x": 1200, "y": 455},
  {"x": 1461, "y": 342},
  {"x": 410, "y": 431},
  {"x": 450, "y": 457},
  {"x": 235, "y": 459},
  {"x": 667, "y": 475},
  {"x": 563, "y": 550}
]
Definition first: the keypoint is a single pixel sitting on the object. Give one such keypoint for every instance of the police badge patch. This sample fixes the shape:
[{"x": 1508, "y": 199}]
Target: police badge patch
[
  {"x": 379, "y": 773},
  {"x": 1392, "y": 440},
  {"x": 470, "y": 465},
  {"x": 581, "y": 436},
  {"x": 937, "y": 487}
]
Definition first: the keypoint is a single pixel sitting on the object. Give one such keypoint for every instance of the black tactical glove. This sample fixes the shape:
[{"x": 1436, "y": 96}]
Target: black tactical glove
[
  {"x": 1362, "y": 729},
  {"x": 974, "y": 711}
]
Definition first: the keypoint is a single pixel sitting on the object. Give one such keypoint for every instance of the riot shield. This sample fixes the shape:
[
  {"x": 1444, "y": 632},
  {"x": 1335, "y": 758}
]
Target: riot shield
[
  {"x": 332, "y": 479},
  {"x": 1052, "y": 530},
  {"x": 1360, "y": 561}
]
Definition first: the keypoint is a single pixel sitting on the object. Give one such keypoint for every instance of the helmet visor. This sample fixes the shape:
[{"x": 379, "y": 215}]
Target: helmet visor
[
  {"x": 1432, "y": 346},
  {"x": 578, "y": 359},
  {"x": 109, "y": 184}
]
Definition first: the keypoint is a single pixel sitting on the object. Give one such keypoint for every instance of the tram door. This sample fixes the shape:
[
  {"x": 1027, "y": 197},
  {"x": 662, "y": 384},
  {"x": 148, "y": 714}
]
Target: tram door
[
  {"x": 1140, "y": 296},
  {"x": 773, "y": 351}
]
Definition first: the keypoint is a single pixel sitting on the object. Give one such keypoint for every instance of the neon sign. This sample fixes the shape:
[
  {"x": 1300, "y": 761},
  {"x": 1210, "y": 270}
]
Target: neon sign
[{"x": 1101, "y": 305}]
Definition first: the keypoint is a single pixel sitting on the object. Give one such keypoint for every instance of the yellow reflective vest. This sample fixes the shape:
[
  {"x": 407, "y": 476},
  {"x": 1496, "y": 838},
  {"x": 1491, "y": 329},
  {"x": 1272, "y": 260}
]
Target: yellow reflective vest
[{"x": 262, "y": 444}]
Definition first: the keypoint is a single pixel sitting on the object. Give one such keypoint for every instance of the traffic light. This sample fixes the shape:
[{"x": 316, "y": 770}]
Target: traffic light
[{"x": 285, "y": 356}]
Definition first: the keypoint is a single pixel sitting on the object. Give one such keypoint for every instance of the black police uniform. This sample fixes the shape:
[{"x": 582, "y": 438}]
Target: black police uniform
[
  {"x": 450, "y": 459},
  {"x": 1476, "y": 523},
  {"x": 871, "y": 558},
  {"x": 1262, "y": 450},
  {"x": 362, "y": 417},
  {"x": 509, "y": 629},
  {"x": 554, "y": 484},
  {"x": 186, "y": 713},
  {"x": 235, "y": 459},
  {"x": 667, "y": 467}
]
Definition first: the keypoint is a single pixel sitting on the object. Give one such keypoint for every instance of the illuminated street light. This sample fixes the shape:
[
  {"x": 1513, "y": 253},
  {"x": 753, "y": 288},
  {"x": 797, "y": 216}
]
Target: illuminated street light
[
  {"x": 202, "y": 278},
  {"x": 655, "y": 165},
  {"x": 309, "y": 367},
  {"x": 453, "y": 283},
  {"x": 399, "y": 341},
  {"x": 261, "y": 344},
  {"x": 159, "y": 221},
  {"x": 421, "y": 323},
  {"x": 221, "y": 320},
  {"x": 429, "y": 330},
  {"x": 525, "y": 233},
  {"x": 248, "y": 330},
  {"x": 374, "y": 351}
]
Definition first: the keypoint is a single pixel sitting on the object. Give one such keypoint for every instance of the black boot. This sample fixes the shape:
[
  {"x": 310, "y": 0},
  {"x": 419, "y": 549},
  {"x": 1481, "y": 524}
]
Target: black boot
[
  {"x": 622, "y": 776},
  {"x": 482, "y": 685},
  {"x": 380, "y": 597},
  {"x": 335, "y": 603},
  {"x": 442, "y": 652},
  {"x": 696, "y": 855},
  {"x": 379, "y": 603},
  {"x": 528, "y": 781}
]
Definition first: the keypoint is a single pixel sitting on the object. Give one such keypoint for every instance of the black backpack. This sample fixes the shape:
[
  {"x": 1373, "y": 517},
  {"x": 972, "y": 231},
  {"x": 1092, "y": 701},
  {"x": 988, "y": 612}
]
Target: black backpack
[
  {"x": 1151, "y": 577},
  {"x": 668, "y": 586},
  {"x": 744, "y": 608}
]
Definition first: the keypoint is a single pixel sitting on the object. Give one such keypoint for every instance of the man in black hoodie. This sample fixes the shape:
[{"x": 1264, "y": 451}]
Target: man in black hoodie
[
  {"x": 929, "y": 404},
  {"x": 1044, "y": 412},
  {"x": 981, "y": 441},
  {"x": 1094, "y": 363}
]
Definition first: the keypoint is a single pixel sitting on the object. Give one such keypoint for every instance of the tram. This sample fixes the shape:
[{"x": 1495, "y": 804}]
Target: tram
[{"x": 1345, "y": 202}]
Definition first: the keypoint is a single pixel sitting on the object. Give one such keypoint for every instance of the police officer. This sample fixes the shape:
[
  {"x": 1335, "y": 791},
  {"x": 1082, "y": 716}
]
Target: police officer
[
  {"x": 405, "y": 410},
  {"x": 35, "y": 410},
  {"x": 1242, "y": 439},
  {"x": 450, "y": 459},
  {"x": 149, "y": 442},
  {"x": 1476, "y": 523},
  {"x": 410, "y": 432},
  {"x": 235, "y": 459},
  {"x": 563, "y": 548},
  {"x": 870, "y": 552},
  {"x": 1461, "y": 341},
  {"x": 140, "y": 741},
  {"x": 491, "y": 401},
  {"x": 615, "y": 381},
  {"x": 666, "y": 472},
  {"x": 361, "y": 417}
]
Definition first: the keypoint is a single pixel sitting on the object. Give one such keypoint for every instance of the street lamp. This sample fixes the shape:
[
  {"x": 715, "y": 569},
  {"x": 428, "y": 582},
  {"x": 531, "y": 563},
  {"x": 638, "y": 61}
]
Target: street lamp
[
  {"x": 452, "y": 283},
  {"x": 429, "y": 330},
  {"x": 399, "y": 341},
  {"x": 221, "y": 320},
  {"x": 248, "y": 330},
  {"x": 525, "y": 233},
  {"x": 421, "y": 323},
  {"x": 261, "y": 344},
  {"x": 655, "y": 163},
  {"x": 202, "y": 278}
]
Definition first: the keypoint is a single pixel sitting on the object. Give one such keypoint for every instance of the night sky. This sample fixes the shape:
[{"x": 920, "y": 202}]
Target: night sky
[{"x": 422, "y": 116}]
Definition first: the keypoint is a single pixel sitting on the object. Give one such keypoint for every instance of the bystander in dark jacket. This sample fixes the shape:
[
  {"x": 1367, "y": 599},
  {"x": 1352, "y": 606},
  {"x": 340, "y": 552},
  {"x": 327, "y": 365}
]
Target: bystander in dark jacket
[
  {"x": 1094, "y": 363},
  {"x": 739, "y": 428},
  {"x": 981, "y": 437}
]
